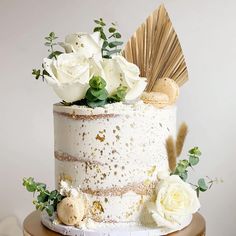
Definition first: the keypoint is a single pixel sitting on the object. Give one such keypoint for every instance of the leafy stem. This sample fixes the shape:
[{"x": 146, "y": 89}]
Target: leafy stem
[
  {"x": 111, "y": 43},
  {"x": 45, "y": 200}
]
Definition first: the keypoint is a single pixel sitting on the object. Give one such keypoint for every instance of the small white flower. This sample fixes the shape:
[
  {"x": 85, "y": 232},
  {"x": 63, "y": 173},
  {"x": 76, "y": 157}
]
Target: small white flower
[
  {"x": 88, "y": 45},
  {"x": 69, "y": 76},
  {"x": 175, "y": 202}
]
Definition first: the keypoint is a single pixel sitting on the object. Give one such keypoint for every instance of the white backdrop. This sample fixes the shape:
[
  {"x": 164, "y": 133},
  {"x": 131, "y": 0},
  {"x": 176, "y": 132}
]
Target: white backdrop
[{"x": 207, "y": 31}]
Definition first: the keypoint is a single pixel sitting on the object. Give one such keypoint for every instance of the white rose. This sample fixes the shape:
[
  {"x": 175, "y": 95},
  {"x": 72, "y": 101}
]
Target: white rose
[
  {"x": 69, "y": 76},
  {"x": 88, "y": 45},
  {"x": 175, "y": 202},
  {"x": 118, "y": 71}
]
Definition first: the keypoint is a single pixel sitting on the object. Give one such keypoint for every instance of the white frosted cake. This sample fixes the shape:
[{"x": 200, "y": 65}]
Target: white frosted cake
[
  {"x": 116, "y": 147},
  {"x": 112, "y": 154}
]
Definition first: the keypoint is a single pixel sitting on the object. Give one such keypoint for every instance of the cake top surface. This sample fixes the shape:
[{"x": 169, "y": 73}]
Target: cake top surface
[{"x": 113, "y": 108}]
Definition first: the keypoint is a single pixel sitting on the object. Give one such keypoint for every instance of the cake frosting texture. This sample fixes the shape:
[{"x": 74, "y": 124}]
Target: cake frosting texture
[{"x": 113, "y": 155}]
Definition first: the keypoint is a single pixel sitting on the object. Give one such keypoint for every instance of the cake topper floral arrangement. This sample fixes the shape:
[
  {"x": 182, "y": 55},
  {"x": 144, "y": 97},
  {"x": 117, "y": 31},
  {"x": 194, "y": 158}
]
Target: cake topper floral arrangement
[
  {"x": 91, "y": 71},
  {"x": 94, "y": 71}
]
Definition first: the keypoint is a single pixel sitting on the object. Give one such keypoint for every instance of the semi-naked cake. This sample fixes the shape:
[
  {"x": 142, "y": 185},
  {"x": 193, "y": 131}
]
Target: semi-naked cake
[
  {"x": 115, "y": 149},
  {"x": 112, "y": 154}
]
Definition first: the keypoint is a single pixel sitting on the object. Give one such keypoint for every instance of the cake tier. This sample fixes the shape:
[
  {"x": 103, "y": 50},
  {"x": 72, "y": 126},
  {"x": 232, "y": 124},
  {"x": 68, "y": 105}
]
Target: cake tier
[{"x": 112, "y": 154}]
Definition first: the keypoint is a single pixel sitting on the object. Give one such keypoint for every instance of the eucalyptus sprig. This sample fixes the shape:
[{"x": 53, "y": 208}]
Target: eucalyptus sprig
[
  {"x": 203, "y": 184},
  {"x": 96, "y": 95},
  {"x": 50, "y": 43},
  {"x": 119, "y": 94},
  {"x": 112, "y": 42},
  {"x": 183, "y": 165},
  {"x": 45, "y": 200}
]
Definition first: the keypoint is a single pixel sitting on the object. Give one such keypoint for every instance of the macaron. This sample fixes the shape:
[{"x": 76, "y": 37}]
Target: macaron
[
  {"x": 71, "y": 210},
  {"x": 169, "y": 87},
  {"x": 156, "y": 99}
]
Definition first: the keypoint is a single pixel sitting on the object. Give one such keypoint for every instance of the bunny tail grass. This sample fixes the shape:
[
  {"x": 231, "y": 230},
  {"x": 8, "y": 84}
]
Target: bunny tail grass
[
  {"x": 182, "y": 133},
  {"x": 171, "y": 153}
]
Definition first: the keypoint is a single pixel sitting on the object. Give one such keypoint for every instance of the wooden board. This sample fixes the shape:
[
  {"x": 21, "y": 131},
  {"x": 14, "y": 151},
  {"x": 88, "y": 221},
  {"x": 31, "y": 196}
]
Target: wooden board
[{"x": 33, "y": 227}]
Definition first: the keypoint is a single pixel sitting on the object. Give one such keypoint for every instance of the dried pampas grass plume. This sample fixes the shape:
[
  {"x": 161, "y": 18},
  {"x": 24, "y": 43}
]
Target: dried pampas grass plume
[
  {"x": 182, "y": 133},
  {"x": 171, "y": 153},
  {"x": 156, "y": 50}
]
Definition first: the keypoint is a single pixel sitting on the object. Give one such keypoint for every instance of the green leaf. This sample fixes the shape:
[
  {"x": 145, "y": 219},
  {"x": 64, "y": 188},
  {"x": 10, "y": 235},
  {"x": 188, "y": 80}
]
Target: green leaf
[
  {"x": 47, "y": 44},
  {"x": 202, "y": 185},
  {"x": 103, "y": 36},
  {"x": 184, "y": 175},
  {"x": 112, "y": 30},
  {"x": 113, "y": 52},
  {"x": 184, "y": 163},
  {"x": 99, "y": 94},
  {"x": 89, "y": 96},
  {"x": 53, "y": 195},
  {"x": 42, "y": 197},
  {"x": 195, "y": 151},
  {"x": 50, "y": 210},
  {"x": 54, "y": 54},
  {"x": 98, "y": 103},
  {"x": 115, "y": 44},
  {"x": 116, "y": 35},
  {"x": 119, "y": 95},
  {"x": 193, "y": 160},
  {"x": 105, "y": 44},
  {"x": 97, "y": 29},
  {"x": 97, "y": 82}
]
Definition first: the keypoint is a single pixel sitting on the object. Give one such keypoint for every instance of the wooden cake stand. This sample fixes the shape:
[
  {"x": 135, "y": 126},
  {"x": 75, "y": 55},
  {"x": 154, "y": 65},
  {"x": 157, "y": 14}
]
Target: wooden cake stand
[{"x": 33, "y": 227}]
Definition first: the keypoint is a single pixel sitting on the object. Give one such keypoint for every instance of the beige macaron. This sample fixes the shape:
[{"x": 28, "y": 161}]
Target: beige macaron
[
  {"x": 71, "y": 210},
  {"x": 156, "y": 99},
  {"x": 169, "y": 87}
]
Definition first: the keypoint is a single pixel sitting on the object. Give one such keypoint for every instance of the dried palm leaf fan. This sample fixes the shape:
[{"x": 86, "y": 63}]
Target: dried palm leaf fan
[{"x": 156, "y": 50}]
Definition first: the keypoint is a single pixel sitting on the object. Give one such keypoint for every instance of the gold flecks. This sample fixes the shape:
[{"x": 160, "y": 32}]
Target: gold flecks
[
  {"x": 97, "y": 208},
  {"x": 100, "y": 138},
  {"x": 147, "y": 182},
  {"x": 65, "y": 177},
  {"x": 151, "y": 171}
]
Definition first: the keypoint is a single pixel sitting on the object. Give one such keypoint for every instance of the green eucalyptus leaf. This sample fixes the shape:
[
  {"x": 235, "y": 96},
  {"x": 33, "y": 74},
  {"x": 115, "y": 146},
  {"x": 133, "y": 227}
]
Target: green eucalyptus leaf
[
  {"x": 97, "y": 29},
  {"x": 116, "y": 51},
  {"x": 54, "y": 54},
  {"x": 184, "y": 175},
  {"x": 117, "y": 35},
  {"x": 115, "y": 44},
  {"x": 49, "y": 209},
  {"x": 103, "y": 36},
  {"x": 89, "y": 96},
  {"x": 184, "y": 163},
  {"x": 53, "y": 195},
  {"x": 97, "y": 82},
  {"x": 112, "y": 29},
  {"x": 193, "y": 160},
  {"x": 100, "y": 94},
  {"x": 96, "y": 103},
  {"x": 42, "y": 197},
  {"x": 195, "y": 151},
  {"x": 202, "y": 185}
]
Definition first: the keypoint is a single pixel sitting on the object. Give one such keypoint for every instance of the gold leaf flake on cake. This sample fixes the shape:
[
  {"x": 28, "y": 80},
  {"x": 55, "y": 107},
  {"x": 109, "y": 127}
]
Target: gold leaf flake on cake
[
  {"x": 100, "y": 137},
  {"x": 151, "y": 171},
  {"x": 97, "y": 208}
]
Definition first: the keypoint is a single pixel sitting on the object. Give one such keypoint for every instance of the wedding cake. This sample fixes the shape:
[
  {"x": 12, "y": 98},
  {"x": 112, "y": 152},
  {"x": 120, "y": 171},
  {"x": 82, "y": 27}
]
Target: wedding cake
[{"x": 114, "y": 134}]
